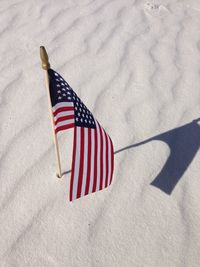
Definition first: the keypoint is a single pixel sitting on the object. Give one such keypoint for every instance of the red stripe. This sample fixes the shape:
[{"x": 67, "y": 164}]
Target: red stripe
[
  {"x": 80, "y": 177},
  {"x": 88, "y": 162},
  {"x": 112, "y": 160},
  {"x": 64, "y": 127},
  {"x": 107, "y": 161},
  {"x": 101, "y": 158},
  {"x": 69, "y": 117},
  {"x": 73, "y": 164},
  {"x": 62, "y": 109},
  {"x": 95, "y": 160}
]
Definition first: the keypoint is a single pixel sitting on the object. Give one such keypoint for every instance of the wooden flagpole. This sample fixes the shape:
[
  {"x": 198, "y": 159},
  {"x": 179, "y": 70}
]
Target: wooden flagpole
[{"x": 46, "y": 66}]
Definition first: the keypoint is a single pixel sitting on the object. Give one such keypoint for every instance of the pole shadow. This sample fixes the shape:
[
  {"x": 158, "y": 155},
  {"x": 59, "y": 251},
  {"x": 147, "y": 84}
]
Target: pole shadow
[
  {"x": 184, "y": 143},
  {"x": 65, "y": 172}
]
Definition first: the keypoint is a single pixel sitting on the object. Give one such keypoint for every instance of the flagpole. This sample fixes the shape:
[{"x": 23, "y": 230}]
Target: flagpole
[{"x": 46, "y": 66}]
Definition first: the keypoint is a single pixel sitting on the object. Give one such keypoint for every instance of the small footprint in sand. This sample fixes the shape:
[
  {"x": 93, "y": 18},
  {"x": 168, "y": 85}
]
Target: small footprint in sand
[{"x": 153, "y": 9}]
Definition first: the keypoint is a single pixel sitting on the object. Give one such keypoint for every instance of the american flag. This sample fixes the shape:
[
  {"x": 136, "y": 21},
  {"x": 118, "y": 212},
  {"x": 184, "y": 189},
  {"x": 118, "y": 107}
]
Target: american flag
[{"x": 93, "y": 154}]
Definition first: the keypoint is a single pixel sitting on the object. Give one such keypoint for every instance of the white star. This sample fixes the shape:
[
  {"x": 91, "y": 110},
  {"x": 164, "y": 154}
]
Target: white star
[
  {"x": 58, "y": 85},
  {"x": 81, "y": 120},
  {"x": 63, "y": 89},
  {"x": 56, "y": 74},
  {"x": 75, "y": 108},
  {"x": 59, "y": 91},
  {"x": 64, "y": 94},
  {"x": 76, "y": 119},
  {"x": 86, "y": 121},
  {"x": 59, "y": 97},
  {"x": 68, "y": 93},
  {"x": 69, "y": 98},
  {"x": 61, "y": 79}
]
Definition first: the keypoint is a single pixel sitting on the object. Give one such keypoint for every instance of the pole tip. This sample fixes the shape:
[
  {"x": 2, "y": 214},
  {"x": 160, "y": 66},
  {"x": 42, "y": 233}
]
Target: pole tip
[{"x": 44, "y": 58}]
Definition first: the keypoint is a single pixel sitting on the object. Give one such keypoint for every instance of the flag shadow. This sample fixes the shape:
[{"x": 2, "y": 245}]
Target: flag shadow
[{"x": 184, "y": 143}]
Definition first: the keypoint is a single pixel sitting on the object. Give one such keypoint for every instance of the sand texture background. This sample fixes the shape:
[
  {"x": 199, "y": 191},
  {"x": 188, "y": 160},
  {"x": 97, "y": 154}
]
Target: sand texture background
[{"x": 136, "y": 65}]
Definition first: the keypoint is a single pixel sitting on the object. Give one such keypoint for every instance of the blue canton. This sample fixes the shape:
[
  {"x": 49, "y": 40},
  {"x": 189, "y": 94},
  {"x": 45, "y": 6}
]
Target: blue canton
[{"x": 61, "y": 91}]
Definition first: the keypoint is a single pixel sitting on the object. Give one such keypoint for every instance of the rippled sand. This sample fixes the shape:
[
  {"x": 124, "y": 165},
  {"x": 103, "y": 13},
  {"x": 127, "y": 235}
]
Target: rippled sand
[{"x": 136, "y": 65}]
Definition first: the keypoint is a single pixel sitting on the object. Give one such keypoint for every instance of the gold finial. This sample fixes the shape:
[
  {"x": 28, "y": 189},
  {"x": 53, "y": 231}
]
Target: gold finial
[{"x": 44, "y": 58}]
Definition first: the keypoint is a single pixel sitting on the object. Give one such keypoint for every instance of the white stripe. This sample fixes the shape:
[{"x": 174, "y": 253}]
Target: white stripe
[
  {"x": 104, "y": 158},
  {"x": 77, "y": 162},
  {"x": 109, "y": 160},
  {"x": 85, "y": 161},
  {"x": 63, "y": 113},
  {"x": 62, "y": 123},
  {"x": 62, "y": 105},
  {"x": 98, "y": 156},
  {"x": 92, "y": 160}
]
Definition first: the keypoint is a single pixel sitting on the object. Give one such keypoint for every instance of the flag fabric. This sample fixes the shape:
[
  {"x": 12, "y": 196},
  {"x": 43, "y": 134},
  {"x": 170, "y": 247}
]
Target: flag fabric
[{"x": 93, "y": 154}]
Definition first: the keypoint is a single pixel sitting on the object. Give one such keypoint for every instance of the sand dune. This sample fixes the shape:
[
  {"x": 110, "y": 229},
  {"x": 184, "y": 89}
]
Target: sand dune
[{"x": 136, "y": 65}]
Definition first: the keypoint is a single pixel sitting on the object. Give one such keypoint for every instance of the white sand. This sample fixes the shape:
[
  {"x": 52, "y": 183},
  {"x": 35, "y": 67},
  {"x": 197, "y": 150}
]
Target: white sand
[{"x": 136, "y": 65}]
